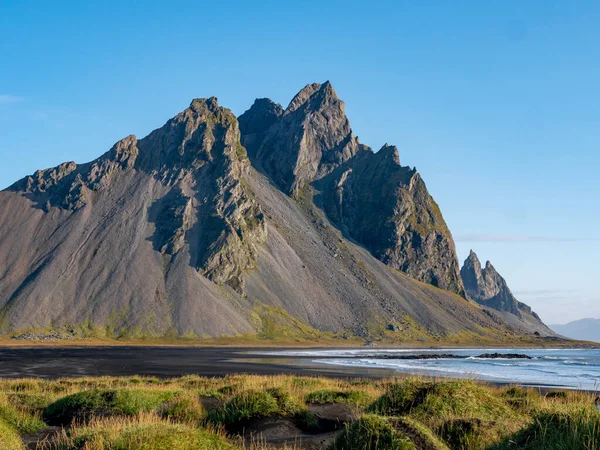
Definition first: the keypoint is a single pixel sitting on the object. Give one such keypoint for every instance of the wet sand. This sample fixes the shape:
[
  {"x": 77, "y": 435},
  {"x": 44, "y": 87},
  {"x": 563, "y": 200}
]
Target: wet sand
[{"x": 163, "y": 362}]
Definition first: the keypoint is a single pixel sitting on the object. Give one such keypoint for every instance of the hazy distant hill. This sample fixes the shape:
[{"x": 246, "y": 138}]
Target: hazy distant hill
[
  {"x": 584, "y": 329},
  {"x": 277, "y": 222}
]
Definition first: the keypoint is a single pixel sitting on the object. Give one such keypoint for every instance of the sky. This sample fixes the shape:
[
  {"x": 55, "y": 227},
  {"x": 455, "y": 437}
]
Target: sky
[{"x": 496, "y": 103}]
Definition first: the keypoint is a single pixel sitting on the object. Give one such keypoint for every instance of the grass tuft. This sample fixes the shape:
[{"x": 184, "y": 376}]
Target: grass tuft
[
  {"x": 144, "y": 432},
  {"x": 349, "y": 397},
  {"x": 185, "y": 409},
  {"x": 9, "y": 437},
  {"x": 566, "y": 428},
  {"x": 98, "y": 402},
  {"x": 372, "y": 432}
]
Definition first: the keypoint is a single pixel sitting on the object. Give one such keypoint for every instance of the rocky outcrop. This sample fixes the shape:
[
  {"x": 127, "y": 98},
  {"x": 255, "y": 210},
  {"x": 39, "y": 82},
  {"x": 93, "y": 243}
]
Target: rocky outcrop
[
  {"x": 372, "y": 198},
  {"x": 310, "y": 139},
  {"x": 387, "y": 208},
  {"x": 255, "y": 123},
  {"x": 487, "y": 287},
  {"x": 199, "y": 153},
  {"x": 198, "y": 157}
]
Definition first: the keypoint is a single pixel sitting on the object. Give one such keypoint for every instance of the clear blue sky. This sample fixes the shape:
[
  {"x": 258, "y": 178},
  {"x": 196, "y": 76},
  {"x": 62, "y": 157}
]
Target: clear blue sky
[{"x": 496, "y": 103}]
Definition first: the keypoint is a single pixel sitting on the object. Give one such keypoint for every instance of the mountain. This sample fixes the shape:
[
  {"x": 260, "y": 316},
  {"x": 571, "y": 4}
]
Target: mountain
[
  {"x": 278, "y": 224},
  {"x": 584, "y": 329},
  {"x": 369, "y": 196},
  {"x": 487, "y": 287}
]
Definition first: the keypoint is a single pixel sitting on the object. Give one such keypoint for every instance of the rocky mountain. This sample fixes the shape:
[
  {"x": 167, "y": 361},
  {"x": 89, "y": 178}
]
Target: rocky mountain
[
  {"x": 279, "y": 223},
  {"x": 584, "y": 329},
  {"x": 369, "y": 196},
  {"x": 487, "y": 287}
]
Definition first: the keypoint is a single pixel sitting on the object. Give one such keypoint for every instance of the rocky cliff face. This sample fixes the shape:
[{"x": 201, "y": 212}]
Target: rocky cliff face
[
  {"x": 198, "y": 158},
  {"x": 487, "y": 287},
  {"x": 372, "y": 198},
  {"x": 280, "y": 224}
]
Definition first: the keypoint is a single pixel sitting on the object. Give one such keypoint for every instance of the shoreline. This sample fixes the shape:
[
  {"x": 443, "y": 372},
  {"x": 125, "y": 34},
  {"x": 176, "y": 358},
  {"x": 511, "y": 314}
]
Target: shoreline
[{"x": 52, "y": 362}]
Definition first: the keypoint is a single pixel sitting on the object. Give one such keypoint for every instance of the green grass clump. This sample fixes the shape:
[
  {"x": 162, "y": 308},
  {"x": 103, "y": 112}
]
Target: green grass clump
[
  {"x": 400, "y": 398},
  {"x": 9, "y": 437},
  {"x": 464, "y": 414},
  {"x": 462, "y": 399},
  {"x": 560, "y": 395},
  {"x": 419, "y": 434},
  {"x": 372, "y": 432},
  {"x": 30, "y": 400},
  {"x": 563, "y": 429},
  {"x": 287, "y": 404},
  {"x": 139, "y": 433},
  {"x": 21, "y": 419},
  {"x": 521, "y": 399},
  {"x": 350, "y": 397},
  {"x": 99, "y": 402},
  {"x": 184, "y": 408},
  {"x": 254, "y": 404},
  {"x": 245, "y": 406}
]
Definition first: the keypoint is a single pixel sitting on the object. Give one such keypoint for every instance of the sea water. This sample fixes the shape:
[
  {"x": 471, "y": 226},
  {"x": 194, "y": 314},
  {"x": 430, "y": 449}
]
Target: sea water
[{"x": 567, "y": 368}]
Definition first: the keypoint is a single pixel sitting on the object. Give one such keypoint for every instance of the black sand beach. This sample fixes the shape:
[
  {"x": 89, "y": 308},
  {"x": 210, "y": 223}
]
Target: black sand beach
[{"x": 59, "y": 362}]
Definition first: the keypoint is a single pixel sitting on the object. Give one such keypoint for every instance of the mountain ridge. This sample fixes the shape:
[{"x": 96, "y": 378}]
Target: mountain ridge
[
  {"x": 210, "y": 226},
  {"x": 402, "y": 226}
]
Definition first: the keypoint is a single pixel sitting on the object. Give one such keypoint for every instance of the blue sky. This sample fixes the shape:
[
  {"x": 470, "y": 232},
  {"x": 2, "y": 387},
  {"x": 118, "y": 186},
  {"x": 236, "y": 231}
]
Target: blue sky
[{"x": 496, "y": 104}]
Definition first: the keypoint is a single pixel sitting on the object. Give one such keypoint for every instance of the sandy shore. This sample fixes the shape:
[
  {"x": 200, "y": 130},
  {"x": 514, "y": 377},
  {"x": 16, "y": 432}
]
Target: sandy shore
[
  {"x": 164, "y": 362},
  {"x": 57, "y": 362}
]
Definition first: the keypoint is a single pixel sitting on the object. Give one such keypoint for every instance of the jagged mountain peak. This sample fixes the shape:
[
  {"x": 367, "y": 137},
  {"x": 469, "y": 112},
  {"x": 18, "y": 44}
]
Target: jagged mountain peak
[
  {"x": 310, "y": 139},
  {"x": 314, "y": 96},
  {"x": 488, "y": 288},
  {"x": 389, "y": 152},
  {"x": 210, "y": 103}
]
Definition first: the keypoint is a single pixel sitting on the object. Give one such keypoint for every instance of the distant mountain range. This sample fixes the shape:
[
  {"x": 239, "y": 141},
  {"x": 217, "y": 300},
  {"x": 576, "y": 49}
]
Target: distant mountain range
[
  {"x": 279, "y": 223},
  {"x": 584, "y": 329}
]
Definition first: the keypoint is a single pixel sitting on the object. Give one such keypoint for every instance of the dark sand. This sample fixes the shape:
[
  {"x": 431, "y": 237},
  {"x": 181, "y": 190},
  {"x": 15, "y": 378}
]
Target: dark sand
[
  {"x": 168, "y": 362},
  {"x": 60, "y": 362}
]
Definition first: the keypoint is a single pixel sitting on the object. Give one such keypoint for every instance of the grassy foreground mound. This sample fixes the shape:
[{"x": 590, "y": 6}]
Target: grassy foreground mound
[
  {"x": 147, "y": 432},
  {"x": 104, "y": 402},
  {"x": 264, "y": 412}
]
